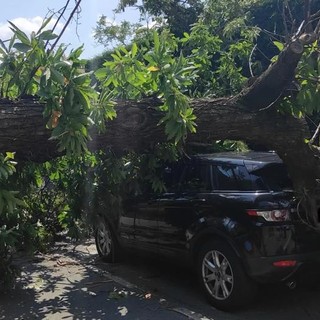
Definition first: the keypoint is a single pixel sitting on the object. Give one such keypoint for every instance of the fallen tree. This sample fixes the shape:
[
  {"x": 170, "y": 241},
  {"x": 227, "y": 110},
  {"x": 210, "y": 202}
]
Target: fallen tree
[
  {"x": 249, "y": 116},
  {"x": 252, "y": 116}
]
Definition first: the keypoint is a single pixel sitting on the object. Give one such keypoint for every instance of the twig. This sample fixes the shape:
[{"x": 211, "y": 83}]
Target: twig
[
  {"x": 65, "y": 26},
  {"x": 272, "y": 103},
  {"x": 77, "y": 23},
  {"x": 307, "y": 8},
  {"x": 315, "y": 15},
  {"x": 317, "y": 29},
  {"x": 300, "y": 28},
  {"x": 284, "y": 19},
  {"x": 96, "y": 283},
  {"x": 311, "y": 120},
  {"x": 34, "y": 70},
  {"x": 250, "y": 60},
  {"x": 264, "y": 55},
  {"x": 315, "y": 135},
  {"x": 273, "y": 35},
  {"x": 291, "y": 17},
  {"x": 59, "y": 18}
]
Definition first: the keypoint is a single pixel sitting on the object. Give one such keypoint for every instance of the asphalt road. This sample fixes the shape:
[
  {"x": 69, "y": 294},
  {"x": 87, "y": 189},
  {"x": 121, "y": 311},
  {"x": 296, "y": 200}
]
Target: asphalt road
[
  {"x": 71, "y": 282},
  {"x": 178, "y": 285}
]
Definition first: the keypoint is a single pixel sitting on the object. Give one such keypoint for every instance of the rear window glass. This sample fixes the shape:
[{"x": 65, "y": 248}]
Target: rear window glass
[
  {"x": 230, "y": 177},
  {"x": 272, "y": 177}
]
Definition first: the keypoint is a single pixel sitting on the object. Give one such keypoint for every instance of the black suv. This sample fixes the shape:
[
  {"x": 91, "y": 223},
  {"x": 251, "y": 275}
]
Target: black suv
[{"x": 232, "y": 215}]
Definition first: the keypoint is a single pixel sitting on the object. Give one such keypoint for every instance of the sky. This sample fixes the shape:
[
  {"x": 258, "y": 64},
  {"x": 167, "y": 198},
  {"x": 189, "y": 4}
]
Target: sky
[{"x": 28, "y": 15}]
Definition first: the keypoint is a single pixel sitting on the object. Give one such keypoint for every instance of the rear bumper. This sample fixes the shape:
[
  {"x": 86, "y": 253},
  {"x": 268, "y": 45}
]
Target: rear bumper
[{"x": 262, "y": 269}]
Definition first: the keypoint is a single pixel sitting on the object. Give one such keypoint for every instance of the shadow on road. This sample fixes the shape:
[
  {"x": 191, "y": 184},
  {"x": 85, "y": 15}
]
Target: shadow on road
[
  {"x": 179, "y": 285},
  {"x": 66, "y": 284},
  {"x": 72, "y": 283}
]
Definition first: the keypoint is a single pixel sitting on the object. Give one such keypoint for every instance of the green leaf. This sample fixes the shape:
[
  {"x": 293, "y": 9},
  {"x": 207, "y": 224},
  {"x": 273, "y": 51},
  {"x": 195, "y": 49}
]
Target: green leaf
[
  {"x": 11, "y": 43},
  {"x": 20, "y": 34},
  {"x": 9, "y": 155},
  {"x": 134, "y": 50},
  {"x": 47, "y": 35},
  {"x": 64, "y": 64},
  {"x": 4, "y": 46},
  {"x": 156, "y": 41},
  {"x": 82, "y": 78},
  {"x": 1, "y": 203},
  {"x": 279, "y": 45},
  {"x": 84, "y": 99},
  {"x": 101, "y": 73},
  {"x": 124, "y": 50},
  {"x": 116, "y": 57},
  {"x": 22, "y": 47},
  {"x": 57, "y": 76},
  {"x": 3, "y": 173},
  {"x": 45, "y": 23}
]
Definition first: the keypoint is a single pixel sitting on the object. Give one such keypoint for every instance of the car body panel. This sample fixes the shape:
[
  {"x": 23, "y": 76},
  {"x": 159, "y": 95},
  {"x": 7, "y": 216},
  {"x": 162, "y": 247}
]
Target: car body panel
[{"x": 176, "y": 223}]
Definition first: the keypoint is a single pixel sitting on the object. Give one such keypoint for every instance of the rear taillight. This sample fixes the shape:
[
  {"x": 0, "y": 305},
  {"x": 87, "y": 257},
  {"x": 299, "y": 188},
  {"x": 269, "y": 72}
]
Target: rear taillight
[
  {"x": 285, "y": 263},
  {"x": 271, "y": 215}
]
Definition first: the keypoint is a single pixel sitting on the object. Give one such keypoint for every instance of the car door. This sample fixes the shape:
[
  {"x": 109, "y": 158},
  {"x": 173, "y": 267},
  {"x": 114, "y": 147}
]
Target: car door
[
  {"x": 146, "y": 223},
  {"x": 138, "y": 222},
  {"x": 181, "y": 208},
  {"x": 127, "y": 221}
]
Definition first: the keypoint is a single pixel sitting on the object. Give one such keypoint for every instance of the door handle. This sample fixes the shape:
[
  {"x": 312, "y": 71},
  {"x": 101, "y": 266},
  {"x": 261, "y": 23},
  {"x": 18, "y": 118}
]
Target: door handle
[{"x": 199, "y": 201}]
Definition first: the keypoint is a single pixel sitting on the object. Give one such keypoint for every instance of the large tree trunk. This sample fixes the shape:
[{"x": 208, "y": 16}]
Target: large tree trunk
[
  {"x": 136, "y": 128},
  {"x": 251, "y": 116}
]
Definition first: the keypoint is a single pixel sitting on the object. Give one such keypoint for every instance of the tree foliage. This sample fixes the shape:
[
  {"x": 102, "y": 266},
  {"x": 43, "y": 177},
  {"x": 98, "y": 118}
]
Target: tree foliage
[
  {"x": 222, "y": 48},
  {"x": 107, "y": 32},
  {"x": 56, "y": 79},
  {"x": 178, "y": 15}
]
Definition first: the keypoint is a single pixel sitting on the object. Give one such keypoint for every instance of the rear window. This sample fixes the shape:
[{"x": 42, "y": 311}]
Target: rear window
[
  {"x": 231, "y": 177},
  {"x": 273, "y": 177}
]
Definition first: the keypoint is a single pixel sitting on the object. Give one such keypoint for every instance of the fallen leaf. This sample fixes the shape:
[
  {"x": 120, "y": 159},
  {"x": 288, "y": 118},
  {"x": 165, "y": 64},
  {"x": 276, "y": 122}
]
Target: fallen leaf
[
  {"x": 118, "y": 295},
  {"x": 147, "y": 296},
  {"x": 123, "y": 311},
  {"x": 66, "y": 263}
]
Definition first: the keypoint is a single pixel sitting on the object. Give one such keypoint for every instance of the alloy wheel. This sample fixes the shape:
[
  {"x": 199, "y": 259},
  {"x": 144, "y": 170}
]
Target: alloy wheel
[
  {"x": 104, "y": 240},
  {"x": 217, "y": 275}
]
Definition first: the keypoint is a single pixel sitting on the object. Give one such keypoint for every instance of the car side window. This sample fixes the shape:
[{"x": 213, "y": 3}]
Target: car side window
[
  {"x": 171, "y": 175},
  {"x": 196, "y": 178},
  {"x": 224, "y": 178},
  {"x": 243, "y": 178}
]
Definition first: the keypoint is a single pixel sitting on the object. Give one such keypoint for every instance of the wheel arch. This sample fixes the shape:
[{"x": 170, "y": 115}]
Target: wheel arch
[
  {"x": 112, "y": 225},
  {"x": 211, "y": 235},
  {"x": 242, "y": 290}
]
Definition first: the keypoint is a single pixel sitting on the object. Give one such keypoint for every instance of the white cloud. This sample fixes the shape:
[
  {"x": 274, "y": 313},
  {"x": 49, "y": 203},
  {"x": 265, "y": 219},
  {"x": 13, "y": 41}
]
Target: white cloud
[{"x": 27, "y": 25}]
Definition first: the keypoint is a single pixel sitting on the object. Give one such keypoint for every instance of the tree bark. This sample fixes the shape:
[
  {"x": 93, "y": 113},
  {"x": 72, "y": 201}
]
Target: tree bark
[{"x": 136, "y": 127}]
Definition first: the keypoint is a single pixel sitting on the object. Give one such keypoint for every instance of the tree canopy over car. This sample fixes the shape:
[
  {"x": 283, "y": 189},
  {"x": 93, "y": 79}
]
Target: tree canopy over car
[{"x": 210, "y": 70}]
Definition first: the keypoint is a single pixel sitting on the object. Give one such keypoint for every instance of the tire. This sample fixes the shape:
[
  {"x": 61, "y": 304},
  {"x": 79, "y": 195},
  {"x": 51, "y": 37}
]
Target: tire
[
  {"x": 105, "y": 242},
  {"x": 223, "y": 278}
]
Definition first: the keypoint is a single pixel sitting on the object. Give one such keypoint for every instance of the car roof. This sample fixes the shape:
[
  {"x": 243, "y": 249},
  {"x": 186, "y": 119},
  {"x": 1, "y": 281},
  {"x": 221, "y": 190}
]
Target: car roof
[{"x": 249, "y": 157}]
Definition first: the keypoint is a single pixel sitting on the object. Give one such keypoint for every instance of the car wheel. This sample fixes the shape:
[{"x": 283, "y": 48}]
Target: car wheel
[
  {"x": 222, "y": 277},
  {"x": 105, "y": 242}
]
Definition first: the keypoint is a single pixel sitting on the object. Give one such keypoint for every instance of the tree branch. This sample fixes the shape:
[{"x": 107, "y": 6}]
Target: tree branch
[
  {"x": 59, "y": 18},
  {"x": 66, "y": 25}
]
